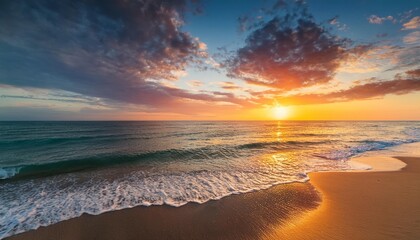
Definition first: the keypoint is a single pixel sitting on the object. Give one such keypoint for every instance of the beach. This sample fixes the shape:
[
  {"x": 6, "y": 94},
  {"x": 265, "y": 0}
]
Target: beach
[
  {"x": 243, "y": 216},
  {"x": 362, "y": 205},
  {"x": 200, "y": 119},
  {"x": 380, "y": 204}
]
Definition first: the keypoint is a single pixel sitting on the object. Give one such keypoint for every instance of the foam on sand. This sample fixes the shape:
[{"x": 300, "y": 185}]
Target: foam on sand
[
  {"x": 381, "y": 161},
  {"x": 378, "y": 164}
]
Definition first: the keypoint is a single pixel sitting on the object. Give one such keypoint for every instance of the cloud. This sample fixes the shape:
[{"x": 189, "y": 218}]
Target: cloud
[
  {"x": 371, "y": 89},
  {"x": 388, "y": 57},
  {"x": 128, "y": 54},
  {"x": 382, "y": 35},
  {"x": 341, "y": 26},
  {"x": 290, "y": 51},
  {"x": 280, "y": 4},
  {"x": 404, "y": 16},
  {"x": 411, "y": 38},
  {"x": 243, "y": 23},
  {"x": 118, "y": 50},
  {"x": 414, "y": 23},
  {"x": 56, "y": 99},
  {"x": 374, "y": 19},
  {"x": 414, "y": 73},
  {"x": 229, "y": 86},
  {"x": 247, "y": 22},
  {"x": 250, "y": 21},
  {"x": 404, "y": 57},
  {"x": 195, "y": 83}
]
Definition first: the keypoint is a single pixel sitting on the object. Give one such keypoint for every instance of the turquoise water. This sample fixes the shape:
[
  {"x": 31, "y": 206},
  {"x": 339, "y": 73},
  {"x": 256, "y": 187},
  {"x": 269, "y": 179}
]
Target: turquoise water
[{"x": 53, "y": 171}]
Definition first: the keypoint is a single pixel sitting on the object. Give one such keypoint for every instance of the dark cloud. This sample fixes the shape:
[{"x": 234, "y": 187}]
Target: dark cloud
[
  {"x": 382, "y": 35},
  {"x": 243, "y": 23},
  {"x": 57, "y": 99},
  {"x": 214, "y": 96},
  {"x": 414, "y": 73},
  {"x": 112, "y": 49},
  {"x": 250, "y": 21},
  {"x": 279, "y": 5},
  {"x": 290, "y": 51}
]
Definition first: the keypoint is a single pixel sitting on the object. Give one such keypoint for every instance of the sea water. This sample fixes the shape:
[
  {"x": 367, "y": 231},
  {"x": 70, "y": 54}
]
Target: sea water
[{"x": 53, "y": 171}]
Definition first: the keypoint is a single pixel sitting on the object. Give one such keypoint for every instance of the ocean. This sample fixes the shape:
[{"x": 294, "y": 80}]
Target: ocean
[{"x": 54, "y": 171}]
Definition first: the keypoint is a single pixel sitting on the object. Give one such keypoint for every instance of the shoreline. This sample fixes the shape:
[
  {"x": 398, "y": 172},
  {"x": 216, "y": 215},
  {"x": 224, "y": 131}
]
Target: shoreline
[
  {"x": 370, "y": 204},
  {"x": 293, "y": 209}
]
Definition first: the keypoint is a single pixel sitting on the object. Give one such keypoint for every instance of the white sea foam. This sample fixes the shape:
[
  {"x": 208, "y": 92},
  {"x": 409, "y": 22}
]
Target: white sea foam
[
  {"x": 8, "y": 172},
  {"x": 355, "y": 165},
  {"x": 362, "y": 148},
  {"x": 47, "y": 202}
]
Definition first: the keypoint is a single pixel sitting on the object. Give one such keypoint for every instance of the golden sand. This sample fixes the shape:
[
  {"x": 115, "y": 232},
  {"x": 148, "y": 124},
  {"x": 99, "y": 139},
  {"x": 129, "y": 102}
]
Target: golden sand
[{"x": 362, "y": 205}]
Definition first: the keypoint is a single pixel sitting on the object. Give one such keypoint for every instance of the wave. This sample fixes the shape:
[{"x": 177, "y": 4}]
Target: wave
[
  {"x": 217, "y": 151},
  {"x": 412, "y": 132},
  {"x": 55, "y": 140},
  {"x": 9, "y": 172},
  {"x": 213, "y": 152},
  {"x": 361, "y": 147},
  {"x": 101, "y": 161},
  {"x": 276, "y": 144},
  {"x": 59, "y": 199},
  {"x": 82, "y": 164}
]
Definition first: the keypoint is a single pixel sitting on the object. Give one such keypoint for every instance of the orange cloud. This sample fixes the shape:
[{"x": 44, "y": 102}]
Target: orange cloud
[
  {"x": 229, "y": 86},
  {"x": 369, "y": 90},
  {"x": 413, "y": 37},
  {"x": 291, "y": 51},
  {"x": 414, "y": 23}
]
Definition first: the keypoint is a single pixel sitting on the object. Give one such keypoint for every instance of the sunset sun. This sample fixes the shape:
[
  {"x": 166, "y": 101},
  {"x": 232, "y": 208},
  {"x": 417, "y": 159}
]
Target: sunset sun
[{"x": 280, "y": 112}]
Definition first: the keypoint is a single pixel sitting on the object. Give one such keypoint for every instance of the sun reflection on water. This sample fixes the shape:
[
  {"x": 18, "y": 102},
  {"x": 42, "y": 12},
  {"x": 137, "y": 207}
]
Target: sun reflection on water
[{"x": 278, "y": 132}]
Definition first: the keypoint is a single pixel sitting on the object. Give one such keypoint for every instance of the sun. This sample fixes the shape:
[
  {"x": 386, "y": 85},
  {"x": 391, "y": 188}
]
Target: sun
[{"x": 280, "y": 112}]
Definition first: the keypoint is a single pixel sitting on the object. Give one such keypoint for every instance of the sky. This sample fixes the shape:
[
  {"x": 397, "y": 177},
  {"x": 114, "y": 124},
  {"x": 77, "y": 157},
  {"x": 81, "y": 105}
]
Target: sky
[{"x": 209, "y": 60}]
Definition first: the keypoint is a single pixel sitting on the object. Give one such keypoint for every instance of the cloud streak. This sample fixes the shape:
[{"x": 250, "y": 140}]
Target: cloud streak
[
  {"x": 374, "y": 19},
  {"x": 412, "y": 38},
  {"x": 414, "y": 23},
  {"x": 408, "y": 83}
]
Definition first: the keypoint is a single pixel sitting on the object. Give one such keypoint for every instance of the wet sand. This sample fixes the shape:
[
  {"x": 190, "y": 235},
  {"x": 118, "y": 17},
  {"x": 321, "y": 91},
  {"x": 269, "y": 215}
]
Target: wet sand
[{"x": 355, "y": 205}]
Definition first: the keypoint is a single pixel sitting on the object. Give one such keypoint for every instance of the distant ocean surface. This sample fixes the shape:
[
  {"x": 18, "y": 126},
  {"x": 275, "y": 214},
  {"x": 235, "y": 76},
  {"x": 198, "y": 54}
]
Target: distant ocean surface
[{"x": 53, "y": 171}]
